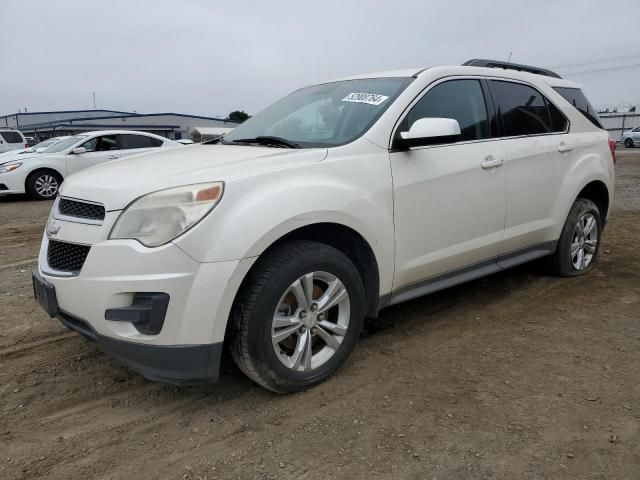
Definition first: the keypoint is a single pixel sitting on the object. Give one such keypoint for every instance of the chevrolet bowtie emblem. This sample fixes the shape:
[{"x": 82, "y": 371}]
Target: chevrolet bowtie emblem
[{"x": 53, "y": 227}]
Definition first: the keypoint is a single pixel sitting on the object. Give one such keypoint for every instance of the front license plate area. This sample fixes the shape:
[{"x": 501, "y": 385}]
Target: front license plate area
[{"x": 45, "y": 294}]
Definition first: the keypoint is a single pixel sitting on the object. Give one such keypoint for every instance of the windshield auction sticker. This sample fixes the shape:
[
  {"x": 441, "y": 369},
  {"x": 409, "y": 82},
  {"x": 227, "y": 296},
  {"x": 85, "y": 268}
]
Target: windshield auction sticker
[{"x": 368, "y": 98}]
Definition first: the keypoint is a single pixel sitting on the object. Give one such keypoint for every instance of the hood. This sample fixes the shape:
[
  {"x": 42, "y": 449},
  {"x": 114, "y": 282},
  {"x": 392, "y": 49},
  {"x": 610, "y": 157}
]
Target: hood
[
  {"x": 17, "y": 155},
  {"x": 115, "y": 184}
]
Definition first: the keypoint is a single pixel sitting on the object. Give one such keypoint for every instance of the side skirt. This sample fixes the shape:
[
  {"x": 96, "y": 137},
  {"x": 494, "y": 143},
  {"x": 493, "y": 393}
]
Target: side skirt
[{"x": 468, "y": 273}]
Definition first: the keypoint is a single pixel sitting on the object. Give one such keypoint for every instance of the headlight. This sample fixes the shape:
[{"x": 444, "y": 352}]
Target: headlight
[
  {"x": 9, "y": 167},
  {"x": 159, "y": 217}
]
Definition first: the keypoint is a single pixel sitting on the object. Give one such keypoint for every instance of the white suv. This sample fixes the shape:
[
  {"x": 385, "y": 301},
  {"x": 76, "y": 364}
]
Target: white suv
[
  {"x": 40, "y": 173},
  {"x": 333, "y": 203},
  {"x": 12, "y": 140}
]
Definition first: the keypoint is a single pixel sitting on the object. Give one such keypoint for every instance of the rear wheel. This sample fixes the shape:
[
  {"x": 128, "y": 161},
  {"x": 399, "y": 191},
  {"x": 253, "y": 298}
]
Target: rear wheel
[
  {"x": 628, "y": 143},
  {"x": 298, "y": 317},
  {"x": 43, "y": 184},
  {"x": 580, "y": 240}
]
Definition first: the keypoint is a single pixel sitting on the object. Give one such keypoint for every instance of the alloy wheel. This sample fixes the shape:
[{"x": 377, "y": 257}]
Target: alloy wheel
[
  {"x": 585, "y": 240},
  {"x": 46, "y": 185},
  {"x": 310, "y": 321}
]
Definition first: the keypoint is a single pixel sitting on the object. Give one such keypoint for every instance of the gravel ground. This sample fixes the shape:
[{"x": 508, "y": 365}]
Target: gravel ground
[{"x": 515, "y": 376}]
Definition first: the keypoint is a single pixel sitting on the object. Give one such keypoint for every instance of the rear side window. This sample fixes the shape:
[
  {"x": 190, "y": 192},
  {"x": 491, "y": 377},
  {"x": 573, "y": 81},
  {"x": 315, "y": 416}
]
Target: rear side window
[
  {"x": 576, "y": 98},
  {"x": 461, "y": 100},
  {"x": 525, "y": 111},
  {"x": 127, "y": 142},
  {"x": 12, "y": 137},
  {"x": 559, "y": 122}
]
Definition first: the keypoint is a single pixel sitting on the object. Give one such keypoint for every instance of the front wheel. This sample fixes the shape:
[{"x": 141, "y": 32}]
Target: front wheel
[
  {"x": 580, "y": 240},
  {"x": 628, "y": 143},
  {"x": 298, "y": 316},
  {"x": 43, "y": 184}
]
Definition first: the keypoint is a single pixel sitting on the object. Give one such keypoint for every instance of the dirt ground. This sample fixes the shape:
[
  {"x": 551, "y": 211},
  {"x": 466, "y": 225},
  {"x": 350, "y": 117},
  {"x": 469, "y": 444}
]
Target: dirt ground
[{"x": 515, "y": 376}]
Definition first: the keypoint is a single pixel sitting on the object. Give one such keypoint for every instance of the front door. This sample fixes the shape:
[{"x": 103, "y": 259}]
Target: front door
[
  {"x": 450, "y": 199},
  {"x": 98, "y": 150}
]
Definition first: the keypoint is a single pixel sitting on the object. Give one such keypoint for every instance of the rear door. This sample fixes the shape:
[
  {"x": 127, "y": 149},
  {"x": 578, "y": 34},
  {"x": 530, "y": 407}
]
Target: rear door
[
  {"x": 132, "y": 144},
  {"x": 538, "y": 153},
  {"x": 11, "y": 140},
  {"x": 100, "y": 149}
]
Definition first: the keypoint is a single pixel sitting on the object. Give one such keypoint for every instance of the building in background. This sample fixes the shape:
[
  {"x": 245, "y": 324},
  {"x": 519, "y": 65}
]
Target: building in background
[{"x": 43, "y": 125}]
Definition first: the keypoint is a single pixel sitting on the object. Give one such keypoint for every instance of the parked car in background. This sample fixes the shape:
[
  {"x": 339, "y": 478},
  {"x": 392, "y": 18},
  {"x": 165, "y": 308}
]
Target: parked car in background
[
  {"x": 631, "y": 138},
  {"x": 31, "y": 141},
  {"x": 41, "y": 174},
  {"x": 12, "y": 140},
  {"x": 338, "y": 200}
]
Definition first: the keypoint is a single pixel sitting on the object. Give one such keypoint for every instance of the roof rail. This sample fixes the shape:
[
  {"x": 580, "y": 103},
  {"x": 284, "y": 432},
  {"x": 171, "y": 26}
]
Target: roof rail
[{"x": 481, "y": 62}]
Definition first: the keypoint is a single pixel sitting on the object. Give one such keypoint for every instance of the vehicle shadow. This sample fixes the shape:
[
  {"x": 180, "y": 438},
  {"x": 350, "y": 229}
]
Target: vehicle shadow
[{"x": 420, "y": 312}]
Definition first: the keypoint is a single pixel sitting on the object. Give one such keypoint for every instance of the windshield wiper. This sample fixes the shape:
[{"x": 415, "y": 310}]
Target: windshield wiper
[{"x": 267, "y": 140}]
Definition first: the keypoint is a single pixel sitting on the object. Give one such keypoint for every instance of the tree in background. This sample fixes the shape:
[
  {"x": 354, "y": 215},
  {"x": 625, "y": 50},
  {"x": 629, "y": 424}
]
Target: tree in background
[{"x": 238, "y": 116}]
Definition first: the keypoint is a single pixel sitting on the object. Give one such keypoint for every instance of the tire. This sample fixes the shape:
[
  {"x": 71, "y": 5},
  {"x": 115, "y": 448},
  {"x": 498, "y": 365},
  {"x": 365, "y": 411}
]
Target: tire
[
  {"x": 564, "y": 261},
  {"x": 629, "y": 143},
  {"x": 276, "y": 288},
  {"x": 43, "y": 184}
]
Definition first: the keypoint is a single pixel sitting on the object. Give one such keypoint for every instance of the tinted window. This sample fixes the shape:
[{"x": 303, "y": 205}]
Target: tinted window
[
  {"x": 559, "y": 122},
  {"x": 576, "y": 98},
  {"x": 523, "y": 109},
  {"x": 106, "y": 143},
  {"x": 461, "y": 100},
  {"x": 12, "y": 137},
  {"x": 137, "y": 141}
]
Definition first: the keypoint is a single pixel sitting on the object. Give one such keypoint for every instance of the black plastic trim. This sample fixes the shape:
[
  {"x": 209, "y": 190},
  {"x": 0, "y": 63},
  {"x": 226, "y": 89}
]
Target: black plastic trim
[
  {"x": 147, "y": 312},
  {"x": 3, "y": 187},
  {"x": 468, "y": 273},
  {"x": 483, "y": 62}
]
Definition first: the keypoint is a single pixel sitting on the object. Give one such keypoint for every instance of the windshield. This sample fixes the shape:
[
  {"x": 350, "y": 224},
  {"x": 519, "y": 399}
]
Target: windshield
[
  {"x": 64, "y": 144},
  {"x": 324, "y": 115},
  {"x": 39, "y": 147}
]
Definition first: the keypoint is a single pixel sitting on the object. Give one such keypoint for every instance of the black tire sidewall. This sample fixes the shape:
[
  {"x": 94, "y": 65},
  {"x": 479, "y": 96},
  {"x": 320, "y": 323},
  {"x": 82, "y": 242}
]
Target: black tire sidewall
[
  {"x": 260, "y": 346},
  {"x": 579, "y": 208},
  {"x": 629, "y": 143}
]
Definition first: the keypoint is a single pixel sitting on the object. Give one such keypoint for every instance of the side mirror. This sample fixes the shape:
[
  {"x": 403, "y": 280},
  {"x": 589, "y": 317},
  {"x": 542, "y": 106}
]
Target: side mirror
[
  {"x": 430, "y": 131},
  {"x": 78, "y": 150}
]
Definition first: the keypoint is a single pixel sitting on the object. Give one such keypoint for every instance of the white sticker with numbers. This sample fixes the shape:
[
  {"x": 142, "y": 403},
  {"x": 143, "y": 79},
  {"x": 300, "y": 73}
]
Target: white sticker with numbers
[{"x": 368, "y": 98}]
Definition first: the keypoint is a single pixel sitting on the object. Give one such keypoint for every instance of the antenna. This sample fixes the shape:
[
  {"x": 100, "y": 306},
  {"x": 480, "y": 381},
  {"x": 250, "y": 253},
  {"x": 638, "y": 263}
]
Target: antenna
[
  {"x": 94, "y": 100},
  {"x": 509, "y": 59}
]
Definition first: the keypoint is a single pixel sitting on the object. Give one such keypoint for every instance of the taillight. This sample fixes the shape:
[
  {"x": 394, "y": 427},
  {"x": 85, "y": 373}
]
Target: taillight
[
  {"x": 26, "y": 145},
  {"x": 612, "y": 146}
]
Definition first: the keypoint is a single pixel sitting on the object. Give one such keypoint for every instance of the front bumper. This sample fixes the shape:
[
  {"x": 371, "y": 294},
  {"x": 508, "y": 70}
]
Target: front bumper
[
  {"x": 178, "y": 364},
  {"x": 13, "y": 182},
  {"x": 116, "y": 272}
]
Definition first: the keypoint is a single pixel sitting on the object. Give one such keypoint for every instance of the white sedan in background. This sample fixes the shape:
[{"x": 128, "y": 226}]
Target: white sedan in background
[{"x": 40, "y": 174}]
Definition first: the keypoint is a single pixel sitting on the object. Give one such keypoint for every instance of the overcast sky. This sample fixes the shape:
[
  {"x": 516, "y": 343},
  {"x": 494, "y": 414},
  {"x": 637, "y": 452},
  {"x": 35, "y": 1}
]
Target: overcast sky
[{"x": 210, "y": 57}]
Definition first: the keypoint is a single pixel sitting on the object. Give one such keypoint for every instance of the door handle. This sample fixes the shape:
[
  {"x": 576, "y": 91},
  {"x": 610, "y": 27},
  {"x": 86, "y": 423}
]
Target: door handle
[
  {"x": 563, "y": 147},
  {"x": 491, "y": 162},
  {"x": 113, "y": 157}
]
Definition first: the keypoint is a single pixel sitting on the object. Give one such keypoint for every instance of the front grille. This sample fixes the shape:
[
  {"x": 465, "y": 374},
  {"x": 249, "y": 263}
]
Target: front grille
[
  {"x": 74, "y": 208},
  {"x": 66, "y": 257}
]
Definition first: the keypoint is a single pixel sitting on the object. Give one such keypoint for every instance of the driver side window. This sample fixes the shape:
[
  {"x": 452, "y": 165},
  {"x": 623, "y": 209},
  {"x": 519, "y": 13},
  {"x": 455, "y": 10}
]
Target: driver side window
[
  {"x": 90, "y": 145},
  {"x": 461, "y": 100}
]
